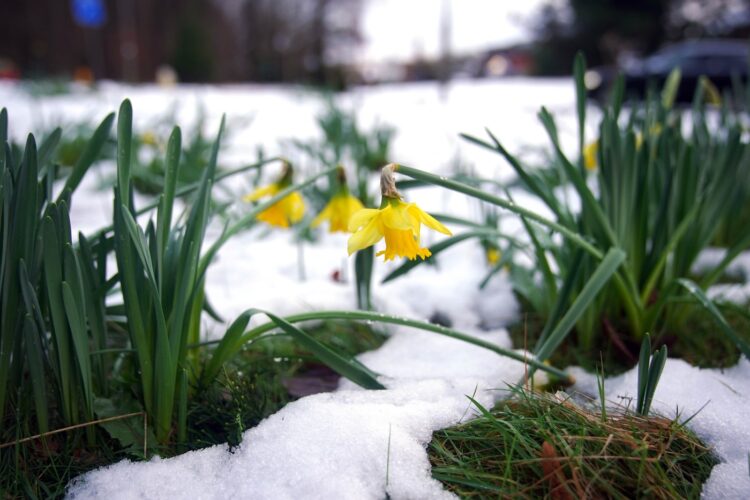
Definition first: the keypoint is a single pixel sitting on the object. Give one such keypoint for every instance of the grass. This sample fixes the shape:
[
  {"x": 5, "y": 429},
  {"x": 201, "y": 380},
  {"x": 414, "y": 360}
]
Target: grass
[
  {"x": 702, "y": 347},
  {"x": 539, "y": 446},
  {"x": 43, "y": 468}
]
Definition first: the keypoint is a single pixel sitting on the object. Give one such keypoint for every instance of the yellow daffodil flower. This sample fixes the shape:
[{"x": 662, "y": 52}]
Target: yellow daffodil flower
[
  {"x": 396, "y": 221},
  {"x": 289, "y": 210},
  {"x": 399, "y": 223},
  {"x": 339, "y": 212}
]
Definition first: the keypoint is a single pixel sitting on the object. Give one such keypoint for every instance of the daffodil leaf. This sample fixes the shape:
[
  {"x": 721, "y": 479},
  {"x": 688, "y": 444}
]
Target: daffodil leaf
[
  {"x": 349, "y": 368},
  {"x": 709, "y": 306},
  {"x": 604, "y": 271}
]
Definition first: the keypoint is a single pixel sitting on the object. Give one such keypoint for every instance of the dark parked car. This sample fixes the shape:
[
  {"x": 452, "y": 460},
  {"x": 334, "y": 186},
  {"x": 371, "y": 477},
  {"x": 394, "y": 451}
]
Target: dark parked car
[{"x": 719, "y": 60}]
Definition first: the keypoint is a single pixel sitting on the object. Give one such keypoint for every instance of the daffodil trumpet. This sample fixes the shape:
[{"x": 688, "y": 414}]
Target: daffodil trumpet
[
  {"x": 396, "y": 221},
  {"x": 287, "y": 211}
]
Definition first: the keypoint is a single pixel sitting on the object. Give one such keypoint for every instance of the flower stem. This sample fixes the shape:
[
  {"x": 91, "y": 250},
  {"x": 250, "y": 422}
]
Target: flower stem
[
  {"x": 396, "y": 320},
  {"x": 508, "y": 205}
]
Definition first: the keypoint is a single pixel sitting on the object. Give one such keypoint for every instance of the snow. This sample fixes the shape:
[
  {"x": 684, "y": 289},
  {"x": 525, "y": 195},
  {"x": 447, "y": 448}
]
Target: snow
[
  {"x": 428, "y": 120},
  {"x": 337, "y": 445},
  {"x": 720, "y": 401}
]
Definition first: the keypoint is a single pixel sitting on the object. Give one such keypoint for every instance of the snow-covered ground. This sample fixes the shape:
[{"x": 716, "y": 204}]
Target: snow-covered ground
[
  {"x": 354, "y": 443},
  {"x": 427, "y": 118}
]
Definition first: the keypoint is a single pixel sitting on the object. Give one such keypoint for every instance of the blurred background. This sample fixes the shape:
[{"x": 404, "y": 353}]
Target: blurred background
[{"x": 339, "y": 43}]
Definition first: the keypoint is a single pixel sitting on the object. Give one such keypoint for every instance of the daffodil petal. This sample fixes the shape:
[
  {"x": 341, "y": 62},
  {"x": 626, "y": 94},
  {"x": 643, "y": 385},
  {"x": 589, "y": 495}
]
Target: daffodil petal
[
  {"x": 428, "y": 220},
  {"x": 415, "y": 223},
  {"x": 294, "y": 207},
  {"x": 396, "y": 217},
  {"x": 274, "y": 215},
  {"x": 589, "y": 155},
  {"x": 323, "y": 215},
  {"x": 362, "y": 218},
  {"x": 365, "y": 237},
  {"x": 261, "y": 192},
  {"x": 353, "y": 205}
]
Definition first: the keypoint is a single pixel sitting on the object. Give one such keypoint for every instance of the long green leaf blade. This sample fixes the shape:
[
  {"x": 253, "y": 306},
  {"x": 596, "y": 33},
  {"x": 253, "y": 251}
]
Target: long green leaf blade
[
  {"x": 166, "y": 203},
  {"x": 420, "y": 325},
  {"x": 348, "y": 368},
  {"x": 124, "y": 150},
  {"x": 89, "y": 155},
  {"x": 35, "y": 361},
  {"x": 643, "y": 362},
  {"x": 508, "y": 205},
  {"x": 604, "y": 271},
  {"x": 709, "y": 305}
]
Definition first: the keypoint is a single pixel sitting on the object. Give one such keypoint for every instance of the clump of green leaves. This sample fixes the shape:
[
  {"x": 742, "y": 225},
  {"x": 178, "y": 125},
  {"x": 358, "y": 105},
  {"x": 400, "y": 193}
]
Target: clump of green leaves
[
  {"x": 661, "y": 195},
  {"x": 51, "y": 292},
  {"x": 543, "y": 446},
  {"x": 649, "y": 372}
]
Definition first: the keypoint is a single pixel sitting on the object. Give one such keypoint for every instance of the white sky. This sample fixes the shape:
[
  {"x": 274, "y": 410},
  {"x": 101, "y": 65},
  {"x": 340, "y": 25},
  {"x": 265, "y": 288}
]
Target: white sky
[{"x": 402, "y": 29}]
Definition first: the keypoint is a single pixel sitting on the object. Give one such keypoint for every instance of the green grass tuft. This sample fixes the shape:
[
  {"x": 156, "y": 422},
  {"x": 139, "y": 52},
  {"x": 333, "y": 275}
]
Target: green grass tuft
[{"x": 542, "y": 446}]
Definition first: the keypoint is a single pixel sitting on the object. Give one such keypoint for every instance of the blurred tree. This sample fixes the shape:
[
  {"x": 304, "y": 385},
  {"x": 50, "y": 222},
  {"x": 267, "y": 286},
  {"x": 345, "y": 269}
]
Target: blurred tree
[
  {"x": 205, "y": 40},
  {"x": 289, "y": 40},
  {"x": 604, "y": 29},
  {"x": 192, "y": 57}
]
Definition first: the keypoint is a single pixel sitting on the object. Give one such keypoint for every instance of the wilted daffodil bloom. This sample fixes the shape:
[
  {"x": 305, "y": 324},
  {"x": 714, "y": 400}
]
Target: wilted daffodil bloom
[
  {"x": 340, "y": 208},
  {"x": 289, "y": 210},
  {"x": 396, "y": 221}
]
